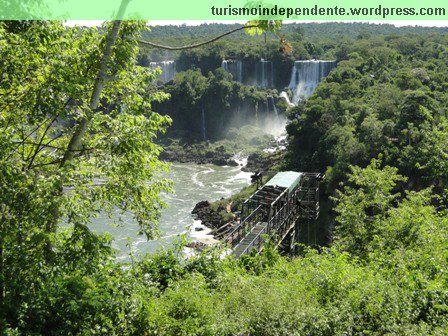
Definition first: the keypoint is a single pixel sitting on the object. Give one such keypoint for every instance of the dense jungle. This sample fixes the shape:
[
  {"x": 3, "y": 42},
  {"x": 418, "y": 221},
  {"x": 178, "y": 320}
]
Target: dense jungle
[{"x": 98, "y": 127}]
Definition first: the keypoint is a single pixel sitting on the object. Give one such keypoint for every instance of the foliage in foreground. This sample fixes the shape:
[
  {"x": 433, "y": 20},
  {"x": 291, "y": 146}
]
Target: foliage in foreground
[
  {"x": 76, "y": 139},
  {"x": 386, "y": 274}
]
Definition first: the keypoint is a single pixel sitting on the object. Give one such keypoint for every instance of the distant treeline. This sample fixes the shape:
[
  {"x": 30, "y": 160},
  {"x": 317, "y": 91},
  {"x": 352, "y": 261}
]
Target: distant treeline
[{"x": 327, "y": 29}]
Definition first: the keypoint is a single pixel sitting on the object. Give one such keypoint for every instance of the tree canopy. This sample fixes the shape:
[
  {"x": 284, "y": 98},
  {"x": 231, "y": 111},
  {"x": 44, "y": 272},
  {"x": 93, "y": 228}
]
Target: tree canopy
[{"x": 77, "y": 138}]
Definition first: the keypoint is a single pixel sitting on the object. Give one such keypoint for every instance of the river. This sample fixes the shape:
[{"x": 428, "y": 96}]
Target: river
[{"x": 192, "y": 183}]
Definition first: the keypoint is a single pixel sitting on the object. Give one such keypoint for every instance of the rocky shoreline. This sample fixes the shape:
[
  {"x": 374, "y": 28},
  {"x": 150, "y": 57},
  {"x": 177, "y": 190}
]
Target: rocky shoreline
[
  {"x": 213, "y": 220},
  {"x": 200, "y": 154},
  {"x": 256, "y": 161},
  {"x": 261, "y": 152},
  {"x": 259, "y": 162},
  {"x": 221, "y": 216}
]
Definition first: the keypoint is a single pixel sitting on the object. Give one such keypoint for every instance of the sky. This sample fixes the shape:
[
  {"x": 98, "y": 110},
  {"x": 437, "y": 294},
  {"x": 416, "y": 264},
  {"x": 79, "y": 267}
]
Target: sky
[{"x": 428, "y": 23}]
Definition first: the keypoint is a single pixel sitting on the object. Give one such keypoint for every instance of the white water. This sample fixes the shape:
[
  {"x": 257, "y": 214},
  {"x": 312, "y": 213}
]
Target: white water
[
  {"x": 270, "y": 106},
  {"x": 264, "y": 74},
  {"x": 306, "y": 75},
  {"x": 193, "y": 183},
  {"x": 234, "y": 67},
  {"x": 168, "y": 69},
  {"x": 285, "y": 96}
]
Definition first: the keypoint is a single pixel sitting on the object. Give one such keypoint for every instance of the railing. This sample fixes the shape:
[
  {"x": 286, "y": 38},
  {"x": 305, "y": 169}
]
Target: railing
[
  {"x": 303, "y": 202},
  {"x": 257, "y": 242},
  {"x": 309, "y": 196},
  {"x": 277, "y": 225},
  {"x": 277, "y": 222},
  {"x": 242, "y": 229}
]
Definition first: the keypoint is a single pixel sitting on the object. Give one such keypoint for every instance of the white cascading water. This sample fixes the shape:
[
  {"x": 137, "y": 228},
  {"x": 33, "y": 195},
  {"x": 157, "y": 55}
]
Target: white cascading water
[
  {"x": 306, "y": 75},
  {"x": 285, "y": 96},
  {"x": 264, "y": 73},
  {"x": 235, "y": 68},
  {"x": 168, "y": 69},
  {"x": 271, "y": 104}
]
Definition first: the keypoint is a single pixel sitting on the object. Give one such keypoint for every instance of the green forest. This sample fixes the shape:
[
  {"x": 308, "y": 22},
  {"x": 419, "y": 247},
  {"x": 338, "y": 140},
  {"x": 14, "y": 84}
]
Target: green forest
[{"x": 83, "y": 121}]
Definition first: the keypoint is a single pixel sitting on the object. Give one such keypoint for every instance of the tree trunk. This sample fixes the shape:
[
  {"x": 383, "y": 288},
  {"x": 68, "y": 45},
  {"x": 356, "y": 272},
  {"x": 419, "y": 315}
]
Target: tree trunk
[
  {"x": 100, "y": 82},
  {"x": 81, "y": 128}
]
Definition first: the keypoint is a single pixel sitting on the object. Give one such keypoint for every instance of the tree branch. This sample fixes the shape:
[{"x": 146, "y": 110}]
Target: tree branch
[
  {"x": 191, "y": 46},
  {"x": 50, "y": 146},
  {"x": 100, "y": 82},
  {"x": 41, "y": 140},
  {"x": 45, "y": 164}
]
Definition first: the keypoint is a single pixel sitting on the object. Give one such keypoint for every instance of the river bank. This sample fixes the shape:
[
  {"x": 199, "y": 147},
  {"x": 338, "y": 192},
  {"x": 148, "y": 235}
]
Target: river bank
[
  {"x": 220, "y": 216},
  {"x": 192, "y": 183},
  {"x": 249, "y": 142},
  {"x": 201, "y": 171},
  {"x": 248, "y": 150}
]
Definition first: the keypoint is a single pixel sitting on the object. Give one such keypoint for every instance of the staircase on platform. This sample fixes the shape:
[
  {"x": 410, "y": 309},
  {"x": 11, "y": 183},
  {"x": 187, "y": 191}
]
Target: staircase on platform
[
  {"x": 250, "y": 240},
  {"x": 274, "y": 210}
]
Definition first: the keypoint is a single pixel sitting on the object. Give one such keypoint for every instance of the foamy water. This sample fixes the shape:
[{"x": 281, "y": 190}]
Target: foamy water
[{"x": 193, "y": 183}]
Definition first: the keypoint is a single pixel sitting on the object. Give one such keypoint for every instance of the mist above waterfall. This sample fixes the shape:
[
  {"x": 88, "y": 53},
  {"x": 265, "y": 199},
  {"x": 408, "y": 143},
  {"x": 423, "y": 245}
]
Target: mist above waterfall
[
  {"x": 268, "y": 121},
  {"x": 273, "y": 125},
  {"x": 306, "y": 75}
]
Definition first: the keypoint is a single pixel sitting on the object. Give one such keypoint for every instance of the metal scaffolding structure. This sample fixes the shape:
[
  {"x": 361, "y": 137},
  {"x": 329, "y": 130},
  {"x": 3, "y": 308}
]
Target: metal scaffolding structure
[{"x": 275, "y": 210}]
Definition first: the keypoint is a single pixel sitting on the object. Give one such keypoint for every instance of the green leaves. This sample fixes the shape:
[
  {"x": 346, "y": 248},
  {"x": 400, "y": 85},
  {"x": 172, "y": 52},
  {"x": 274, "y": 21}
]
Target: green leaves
[
  {"x": 386, "y": 274},
  {"x": 258, "y": 27},
  {"x": 363, "y": 204},
  {"x": 377, "y": 101},
  {"x": 48, "y": 74}
]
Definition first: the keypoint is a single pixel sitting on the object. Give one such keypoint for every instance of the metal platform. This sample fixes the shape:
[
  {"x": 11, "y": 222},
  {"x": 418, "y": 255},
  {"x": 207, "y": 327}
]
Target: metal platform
[{"x": 274, "y": 210}]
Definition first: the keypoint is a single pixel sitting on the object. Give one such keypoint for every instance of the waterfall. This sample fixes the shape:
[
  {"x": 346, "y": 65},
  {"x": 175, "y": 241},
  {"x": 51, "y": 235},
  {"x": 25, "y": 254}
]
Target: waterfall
[
  {"x": 275, "y": 110},
  {"x": 285, "y": 96},
  {"x": 306, "y": 75},
  {"x": 239, "y": 70},
  {"x": 270, "y": 103},
  {"x": 264, "y": 73},
  {"x": 235, "y": 68},
  {"x": 168, "y": 69}
]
